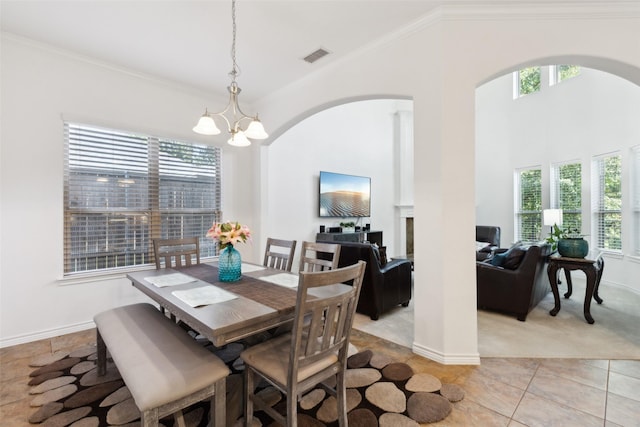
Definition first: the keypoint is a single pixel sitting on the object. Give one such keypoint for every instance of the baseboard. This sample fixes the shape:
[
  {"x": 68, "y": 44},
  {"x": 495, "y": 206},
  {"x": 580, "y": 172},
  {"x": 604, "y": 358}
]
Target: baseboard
[
  {"x": 446, "y": 359},
  {"x": 51, "y": 333}
]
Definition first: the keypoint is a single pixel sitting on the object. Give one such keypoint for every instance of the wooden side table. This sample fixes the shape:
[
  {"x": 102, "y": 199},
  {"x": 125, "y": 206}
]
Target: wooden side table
[{"x": 591, "y": 268}]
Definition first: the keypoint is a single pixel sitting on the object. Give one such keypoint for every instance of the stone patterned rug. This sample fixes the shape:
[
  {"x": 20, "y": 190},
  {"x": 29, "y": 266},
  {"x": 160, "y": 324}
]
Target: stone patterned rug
[{"x": 67, "y": 391}]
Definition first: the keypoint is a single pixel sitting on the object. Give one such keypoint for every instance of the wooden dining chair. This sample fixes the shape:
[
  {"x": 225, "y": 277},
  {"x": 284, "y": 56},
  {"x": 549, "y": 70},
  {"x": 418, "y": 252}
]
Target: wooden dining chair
[
  {"x": 169, "y": 253},
  {"x": 278, "y": 254},
  {"x": 319, "y": 256},
  {"x": 315, "y": 350}
]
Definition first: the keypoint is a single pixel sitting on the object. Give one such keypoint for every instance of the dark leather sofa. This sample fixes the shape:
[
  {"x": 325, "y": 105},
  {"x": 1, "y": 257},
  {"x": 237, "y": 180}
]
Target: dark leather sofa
[
  {"x": 384, "y": 286},
  {"x": 514, "y": 290},
  {"x": 489, "y": 234}
]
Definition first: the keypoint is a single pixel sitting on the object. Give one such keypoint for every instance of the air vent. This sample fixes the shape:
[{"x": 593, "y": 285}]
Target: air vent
[{"x": 314, "y": 56}]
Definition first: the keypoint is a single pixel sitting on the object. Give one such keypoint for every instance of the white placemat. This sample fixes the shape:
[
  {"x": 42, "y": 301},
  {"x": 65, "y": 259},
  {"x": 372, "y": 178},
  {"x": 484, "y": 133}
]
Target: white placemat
[
  {"x": 204, "y": 295},
  {"x": 172, "y": 279},
  {"x": 287, "y": 280},
  {"x": 248, "y": 268}
]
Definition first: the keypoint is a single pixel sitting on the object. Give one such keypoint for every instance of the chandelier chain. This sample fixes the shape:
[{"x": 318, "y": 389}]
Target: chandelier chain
[{"x": 235, "y": 71}]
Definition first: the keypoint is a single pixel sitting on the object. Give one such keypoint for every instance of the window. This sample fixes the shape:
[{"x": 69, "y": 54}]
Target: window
[
  {"x": 528, "y": 204},
  {"x": 566, "y": 193},
  {"x": 121, "y": 190},
  {"x": 558, "y": 73},
  {"x": 526, "y": 81},
  {"x": 635, "y": 203},
  {"x": 607, "y": 202}
]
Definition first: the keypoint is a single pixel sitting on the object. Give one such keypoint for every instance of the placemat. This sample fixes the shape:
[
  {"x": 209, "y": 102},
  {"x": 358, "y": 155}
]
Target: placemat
[{"x": 277, "y": 297}]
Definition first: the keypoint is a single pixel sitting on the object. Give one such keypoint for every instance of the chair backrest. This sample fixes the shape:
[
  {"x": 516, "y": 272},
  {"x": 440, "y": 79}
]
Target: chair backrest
[
  {"x": 279, "y": 254},
  {"x": 317, "y": 256},
  {"x": 170, "y": 253},
  {"x": 322, "y": 325}
]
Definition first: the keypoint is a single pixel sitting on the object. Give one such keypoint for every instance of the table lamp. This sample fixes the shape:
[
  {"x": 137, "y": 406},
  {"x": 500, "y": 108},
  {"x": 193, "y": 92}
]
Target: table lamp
[{"x": 552, "y": 217}]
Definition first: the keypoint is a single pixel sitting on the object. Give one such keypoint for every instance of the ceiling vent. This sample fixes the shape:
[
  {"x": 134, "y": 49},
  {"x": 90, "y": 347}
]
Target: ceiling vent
[{"x": 314, "y": 56}]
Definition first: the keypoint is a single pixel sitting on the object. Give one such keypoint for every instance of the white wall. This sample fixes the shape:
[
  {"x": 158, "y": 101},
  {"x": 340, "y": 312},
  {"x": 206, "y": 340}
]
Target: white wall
[
  {"x": 355, "y": 138},
  {"x": 439, "y": 62},
  {"x": 39, "y": 86},
  {"x": 588, "y": 115}
]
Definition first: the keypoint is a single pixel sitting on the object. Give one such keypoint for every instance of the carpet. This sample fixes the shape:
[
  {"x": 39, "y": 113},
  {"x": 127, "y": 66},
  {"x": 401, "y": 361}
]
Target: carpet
[{"x": 66, "y": 390}]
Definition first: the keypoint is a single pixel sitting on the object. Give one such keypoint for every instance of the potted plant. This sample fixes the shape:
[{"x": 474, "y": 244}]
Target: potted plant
[
  {"x": 568, "y": 242},
  {"x": 348, "y": 227}
]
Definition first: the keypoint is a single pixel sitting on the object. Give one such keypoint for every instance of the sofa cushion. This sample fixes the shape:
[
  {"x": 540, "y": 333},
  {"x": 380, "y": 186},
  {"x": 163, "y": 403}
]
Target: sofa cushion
[
  {"x": 513, "y": 258},
  {"x": 498, "y": 259}
]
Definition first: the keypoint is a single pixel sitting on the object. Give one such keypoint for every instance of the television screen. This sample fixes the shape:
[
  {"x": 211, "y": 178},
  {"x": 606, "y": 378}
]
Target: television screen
[{"x": 344, "y": 195}]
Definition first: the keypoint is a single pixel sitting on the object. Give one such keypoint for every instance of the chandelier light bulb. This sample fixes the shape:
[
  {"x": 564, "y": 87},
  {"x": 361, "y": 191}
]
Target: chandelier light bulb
[
  {"x": 206, "y": 125},
  {"x": 255, "y": 130},
  {"x": 239, "y": 139}
]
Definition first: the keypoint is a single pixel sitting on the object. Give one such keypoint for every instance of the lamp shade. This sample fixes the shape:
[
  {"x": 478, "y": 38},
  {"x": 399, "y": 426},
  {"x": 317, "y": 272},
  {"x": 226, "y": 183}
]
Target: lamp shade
[
  {"x": 552, "y": 217},
  {"x": 239, "y": 139},
  {"x": 206, "y": 126},
  {"x": 256, "y": 130}
]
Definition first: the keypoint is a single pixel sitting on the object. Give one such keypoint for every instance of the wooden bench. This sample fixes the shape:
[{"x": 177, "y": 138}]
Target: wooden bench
[{"x": 164, "y": 368}]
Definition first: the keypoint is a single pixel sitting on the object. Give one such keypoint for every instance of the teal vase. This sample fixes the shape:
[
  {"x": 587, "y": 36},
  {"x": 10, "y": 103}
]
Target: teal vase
[
  {"x": 229, "y": 265},
  {"x": 573, "y": 247}
]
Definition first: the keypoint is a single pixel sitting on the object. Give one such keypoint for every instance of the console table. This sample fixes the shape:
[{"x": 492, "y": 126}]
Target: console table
[
  {"x": 356, "y": 236},
  {"x": 591, "y": 268}
]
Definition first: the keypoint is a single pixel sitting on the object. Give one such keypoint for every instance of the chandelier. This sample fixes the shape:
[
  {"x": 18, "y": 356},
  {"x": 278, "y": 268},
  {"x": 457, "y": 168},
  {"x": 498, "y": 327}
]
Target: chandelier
[{"x": 239, "y": 135}]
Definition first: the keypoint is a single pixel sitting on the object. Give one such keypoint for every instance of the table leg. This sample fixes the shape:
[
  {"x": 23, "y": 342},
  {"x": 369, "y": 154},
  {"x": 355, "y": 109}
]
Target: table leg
[
  {"x": 552, "y": 272},
  {"x": 599, "y": 267},
  {"x": 589, "y": 292},
  {"x": 567, "y": 275}
]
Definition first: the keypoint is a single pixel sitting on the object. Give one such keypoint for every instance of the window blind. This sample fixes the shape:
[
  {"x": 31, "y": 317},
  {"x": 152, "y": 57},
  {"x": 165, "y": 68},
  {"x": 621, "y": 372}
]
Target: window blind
[
  {"x": 607, "y": 202},
  {"x": 567, "y": 193},
  {"x": 122, "y": 189},
  {"x": 529, "y": 204}
]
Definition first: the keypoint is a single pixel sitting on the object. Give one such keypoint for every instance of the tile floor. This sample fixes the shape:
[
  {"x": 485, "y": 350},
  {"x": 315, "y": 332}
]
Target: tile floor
[{"x": 510, "y": 392}]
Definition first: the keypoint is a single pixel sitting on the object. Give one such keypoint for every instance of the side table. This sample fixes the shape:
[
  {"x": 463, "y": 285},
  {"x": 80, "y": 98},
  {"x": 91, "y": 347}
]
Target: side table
[{"x": 591, "y": 268}]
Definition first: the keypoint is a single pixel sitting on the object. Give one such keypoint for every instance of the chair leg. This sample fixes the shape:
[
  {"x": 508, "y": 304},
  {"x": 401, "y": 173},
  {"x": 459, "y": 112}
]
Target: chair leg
[
  {"x": 292, "y": 406},
  {"x": 342, "y": 399},
  {"x": 248, "y": 393},
  {"x": 178, "y": 416},
  {"x": 219, "y": 404},
  {"x": 149, "y": 418}
]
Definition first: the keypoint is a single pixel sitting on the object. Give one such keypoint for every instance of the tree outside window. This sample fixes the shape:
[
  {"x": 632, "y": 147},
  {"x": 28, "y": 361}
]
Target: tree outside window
[
  {"x": 567, "y": 193},
  {"x": 528, "y": 81},
  {"x": 529, "y": 204},
  {"x": 608, "y": 202}
]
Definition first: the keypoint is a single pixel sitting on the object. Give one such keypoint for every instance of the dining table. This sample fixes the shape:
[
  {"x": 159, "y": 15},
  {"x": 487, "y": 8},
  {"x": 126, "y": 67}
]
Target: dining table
[{"x": 223, "y": 312}]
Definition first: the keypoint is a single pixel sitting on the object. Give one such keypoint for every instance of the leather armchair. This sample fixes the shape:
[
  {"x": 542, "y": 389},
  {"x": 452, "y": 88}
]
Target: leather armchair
[
  {"x": 384, "y": 286},
  {"x": 514, "y": 291},
  {"x": 489, "y": 234}
]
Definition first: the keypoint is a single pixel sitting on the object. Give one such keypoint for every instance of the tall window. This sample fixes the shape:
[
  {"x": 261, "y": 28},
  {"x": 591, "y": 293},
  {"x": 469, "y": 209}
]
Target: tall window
[
  {"x": 607, "y": 202},
  {"x": 566, "y": 193},
  {"x": 528, "y": 204},
  {"x": 122, "y": 190},
  {"x": 526, "y": 81},
  {"x": 636, "y": 199},
  {"x": 558, "y": 73}
]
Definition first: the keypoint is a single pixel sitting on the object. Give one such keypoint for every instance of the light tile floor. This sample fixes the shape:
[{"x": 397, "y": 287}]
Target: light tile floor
[{"x": 510, "y": 392}]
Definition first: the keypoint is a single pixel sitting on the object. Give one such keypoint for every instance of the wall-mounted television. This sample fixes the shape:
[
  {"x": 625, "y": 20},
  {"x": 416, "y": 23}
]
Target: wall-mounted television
[{"x": 344, "y": 195}]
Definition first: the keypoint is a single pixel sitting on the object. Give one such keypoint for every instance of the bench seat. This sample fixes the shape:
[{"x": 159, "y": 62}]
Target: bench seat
[{"x": 164, "y": 368}]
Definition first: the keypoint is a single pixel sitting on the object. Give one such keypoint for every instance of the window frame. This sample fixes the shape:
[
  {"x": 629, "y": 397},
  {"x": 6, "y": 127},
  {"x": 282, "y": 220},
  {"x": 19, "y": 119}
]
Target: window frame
[
  {"x": 174, "y": 190},
  {"x": 520, "y": 214},
  {"x": 599, "y": 212},
  {"x": 635, "y": 199},
  {"x": 556, "y": 196}
]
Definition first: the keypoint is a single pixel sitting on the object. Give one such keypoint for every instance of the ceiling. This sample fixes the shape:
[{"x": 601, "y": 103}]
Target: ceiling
[{"x": 189, "y": 42}]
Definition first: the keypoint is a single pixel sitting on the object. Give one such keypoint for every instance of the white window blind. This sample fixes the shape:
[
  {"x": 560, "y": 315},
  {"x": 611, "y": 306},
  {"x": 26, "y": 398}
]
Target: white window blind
[
  {"x": 528, "y": 204},
  {"x": 607, "y": 202},
  {"x": 566, "y": 193},
  {"x": 121, "y": 190},
  {"x": 635, "y": 158}
]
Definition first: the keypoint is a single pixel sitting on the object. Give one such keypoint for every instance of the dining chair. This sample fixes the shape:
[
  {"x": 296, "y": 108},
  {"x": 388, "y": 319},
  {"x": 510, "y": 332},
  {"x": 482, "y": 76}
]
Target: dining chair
[
  {"x": 319, "y": 256},
  {"x": 176, "y": 252},
  {"x": 278, "y": 254},
  {"x": 315, "y": 350}
]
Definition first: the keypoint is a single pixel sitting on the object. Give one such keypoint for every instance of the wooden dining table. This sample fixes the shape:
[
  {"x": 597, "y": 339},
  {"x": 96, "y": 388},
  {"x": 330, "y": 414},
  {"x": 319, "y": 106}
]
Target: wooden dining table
[{"x": 258, "y": 304}]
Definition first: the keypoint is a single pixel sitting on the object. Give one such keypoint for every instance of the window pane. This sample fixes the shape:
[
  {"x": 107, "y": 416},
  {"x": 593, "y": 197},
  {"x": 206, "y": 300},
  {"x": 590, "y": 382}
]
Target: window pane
[
  {"x": 529, "y": 79},
  {"x": 608, "y": 202},
  {"x": 529, "y": 212},
  {"x": 567, "y": 182},
  {"x": 564, "y": 72},
  {"x": 122, "y": 190}
]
